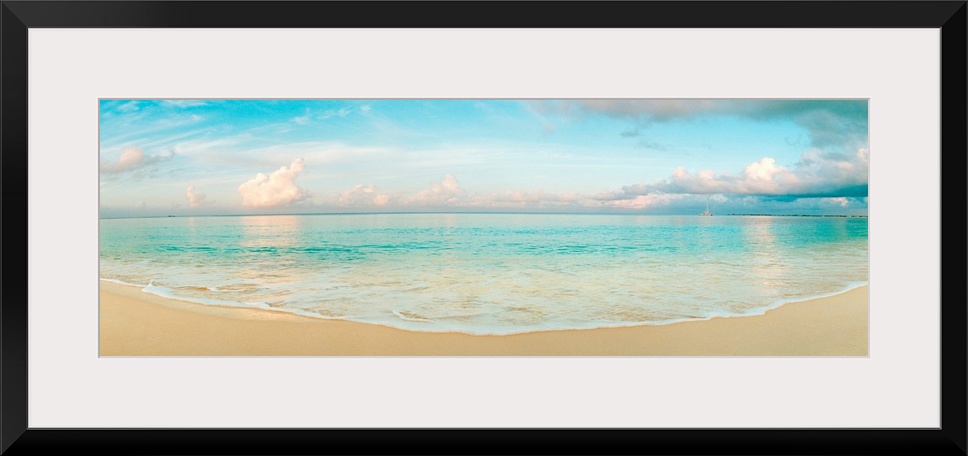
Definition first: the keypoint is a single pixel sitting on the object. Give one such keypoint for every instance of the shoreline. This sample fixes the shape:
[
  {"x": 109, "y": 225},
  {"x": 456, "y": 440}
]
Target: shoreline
[
  {"x": 136, "y": 323},
  {"x": 236, "y": 305}
]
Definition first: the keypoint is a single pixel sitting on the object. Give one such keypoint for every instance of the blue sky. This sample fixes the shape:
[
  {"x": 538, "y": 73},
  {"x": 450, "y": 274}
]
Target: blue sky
[{"x": 185, "y": 157}]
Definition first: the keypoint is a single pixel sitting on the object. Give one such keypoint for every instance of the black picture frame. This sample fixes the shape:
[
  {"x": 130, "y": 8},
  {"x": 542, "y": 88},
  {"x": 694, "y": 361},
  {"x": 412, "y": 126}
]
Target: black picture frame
[{"x": 18, "y": 16}]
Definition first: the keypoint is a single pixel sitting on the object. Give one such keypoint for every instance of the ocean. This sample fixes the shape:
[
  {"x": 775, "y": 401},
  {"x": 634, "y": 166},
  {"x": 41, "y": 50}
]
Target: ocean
[{"x": 490, "y": 273}]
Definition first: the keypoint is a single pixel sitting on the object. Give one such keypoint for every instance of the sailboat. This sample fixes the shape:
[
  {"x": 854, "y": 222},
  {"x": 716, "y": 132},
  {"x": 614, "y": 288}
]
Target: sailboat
[{"x": 707, "y": 208}]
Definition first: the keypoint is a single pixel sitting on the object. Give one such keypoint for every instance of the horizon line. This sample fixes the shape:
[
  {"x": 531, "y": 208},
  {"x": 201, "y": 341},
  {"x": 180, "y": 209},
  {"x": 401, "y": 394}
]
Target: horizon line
[{"x": 481, "y": 213}]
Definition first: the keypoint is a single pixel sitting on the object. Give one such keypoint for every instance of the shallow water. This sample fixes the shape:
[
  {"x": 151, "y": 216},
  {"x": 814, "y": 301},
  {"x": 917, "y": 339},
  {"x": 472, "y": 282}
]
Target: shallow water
[{"x": 490, "y": 273}]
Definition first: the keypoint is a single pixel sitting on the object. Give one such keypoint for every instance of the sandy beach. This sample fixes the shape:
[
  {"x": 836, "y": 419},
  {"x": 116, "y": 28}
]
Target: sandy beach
[{"x": 134, "y": 323}]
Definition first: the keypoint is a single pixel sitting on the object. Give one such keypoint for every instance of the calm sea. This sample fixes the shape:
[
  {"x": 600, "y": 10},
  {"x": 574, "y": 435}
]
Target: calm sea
[{"x": 490, "y": 273}]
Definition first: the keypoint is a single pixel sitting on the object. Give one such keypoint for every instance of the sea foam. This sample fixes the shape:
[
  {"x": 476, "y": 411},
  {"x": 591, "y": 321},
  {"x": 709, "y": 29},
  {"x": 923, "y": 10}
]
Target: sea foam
[{"x": 490, "y": 273}]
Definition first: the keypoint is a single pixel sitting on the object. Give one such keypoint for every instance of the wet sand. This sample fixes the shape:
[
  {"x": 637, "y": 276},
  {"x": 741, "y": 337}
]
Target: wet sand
[{"x": 134, "y": 323}]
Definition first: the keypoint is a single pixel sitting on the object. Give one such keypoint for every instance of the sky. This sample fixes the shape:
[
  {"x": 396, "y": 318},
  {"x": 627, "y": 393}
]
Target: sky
[{"x": 222, "y": 157}]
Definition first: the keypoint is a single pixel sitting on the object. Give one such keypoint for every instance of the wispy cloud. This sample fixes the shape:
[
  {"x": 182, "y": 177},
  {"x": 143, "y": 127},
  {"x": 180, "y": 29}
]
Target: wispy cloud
[
  {"x": 303, "y": 119},
  {"x": 130, "y": 106},
  {"x": 330, "y": 113},
  {"x": 828, "y": 122},
  {"x": 644, "y": 156},
  {"x": 131, "y": 158},
  {"x": 184, "y": 103}
]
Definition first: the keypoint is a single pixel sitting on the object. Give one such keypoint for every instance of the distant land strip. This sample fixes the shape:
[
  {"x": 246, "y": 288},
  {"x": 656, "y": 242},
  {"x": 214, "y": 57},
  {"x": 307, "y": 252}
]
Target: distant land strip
[{"x": 800, "y": 215}]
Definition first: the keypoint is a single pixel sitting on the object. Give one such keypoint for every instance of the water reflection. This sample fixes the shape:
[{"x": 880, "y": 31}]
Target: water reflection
[
  {"x": 267, "y": 262},
  {"x": 490, "y": 273},
  {"x": 269, "y": 231},
  {"x": 765, "y": 263}
]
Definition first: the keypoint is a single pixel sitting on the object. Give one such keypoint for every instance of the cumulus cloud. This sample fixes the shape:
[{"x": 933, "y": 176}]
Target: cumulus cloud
[
  {"x": 816, "y": 174},
  {"x": 363, "y": 195},
  {"x": 131, "y": 158},
  {"x": 276, "y": 189},
  {"x": 829, "y": 180},
  {"x": 443, "y": 193},
  {"x": 195, "y": 199}
]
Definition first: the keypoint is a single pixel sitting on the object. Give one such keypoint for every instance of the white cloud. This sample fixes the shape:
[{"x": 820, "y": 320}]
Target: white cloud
[
  {"x": 276, "y": 189},
  {"x": 303, "y": 119},
  {"x": 363, "y": 195},
  {"x": 641, "y": 201},
  {"x": 620, "y": 199},
  {"x": 449, "y": 193},
  {"x": 132, "y": 158},
  {"x": 526, "y": 199},
  {"x": 130, "y": 106},
  {"x": 842, "y": 201},
  {"x": 816, "y": 174},
  {"x": 445, "y": 192},
  {"x": 195, "y": 199},
  {"x": 448, "y": 185},
  {"x": 184, "y": 103},
  {"x": 341, "y": 112}
]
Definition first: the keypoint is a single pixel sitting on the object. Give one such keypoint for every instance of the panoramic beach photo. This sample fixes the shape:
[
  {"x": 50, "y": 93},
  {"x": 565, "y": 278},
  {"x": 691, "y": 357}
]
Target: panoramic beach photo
[{"x": 483, "y": 227}]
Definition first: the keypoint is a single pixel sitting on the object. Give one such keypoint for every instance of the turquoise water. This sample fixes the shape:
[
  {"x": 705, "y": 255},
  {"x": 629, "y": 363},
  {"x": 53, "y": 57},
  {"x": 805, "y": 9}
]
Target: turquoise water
[{"x": 490, "y": 273}]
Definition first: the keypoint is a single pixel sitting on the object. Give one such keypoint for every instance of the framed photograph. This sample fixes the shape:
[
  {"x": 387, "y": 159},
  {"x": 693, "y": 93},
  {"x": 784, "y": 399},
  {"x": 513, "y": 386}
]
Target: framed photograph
[
  {"x": 358, "y": 224},
  {"x": 308, "y": 227}
]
